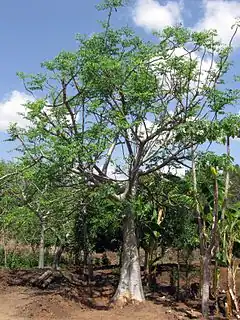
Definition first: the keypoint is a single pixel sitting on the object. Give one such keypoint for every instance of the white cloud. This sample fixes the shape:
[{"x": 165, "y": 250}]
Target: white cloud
[
  {"x": 10, "y": 107},
  {"x": 151, "y": 15},
  {"x": 220, "y": 15},
  {"x": 180, "y": 172},
  {"x": 217, "y": 14},
  {"x": 114, "y": 173}
]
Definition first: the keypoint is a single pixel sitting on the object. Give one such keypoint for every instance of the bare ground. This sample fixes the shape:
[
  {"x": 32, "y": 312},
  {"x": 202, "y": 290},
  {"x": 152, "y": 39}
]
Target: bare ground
[
  {"x": 65, "y": 300},
  {"x": 20, "y": 303}
]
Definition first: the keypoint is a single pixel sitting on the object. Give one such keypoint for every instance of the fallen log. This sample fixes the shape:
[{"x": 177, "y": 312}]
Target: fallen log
[
  {"x": 71, "y": 278},
  {"x": 39, "y": 281},
  {"x": 49, "y": 280}
]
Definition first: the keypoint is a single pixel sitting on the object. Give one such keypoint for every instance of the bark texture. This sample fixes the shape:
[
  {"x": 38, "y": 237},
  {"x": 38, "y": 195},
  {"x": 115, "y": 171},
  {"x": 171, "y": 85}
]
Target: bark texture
[
  {"x": 130, "y": 283},
  {"x": 206, "y": 285}
]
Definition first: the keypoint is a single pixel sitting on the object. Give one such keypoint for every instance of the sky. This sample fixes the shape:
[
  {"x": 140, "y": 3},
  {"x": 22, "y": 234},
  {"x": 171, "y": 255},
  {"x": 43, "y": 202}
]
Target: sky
[{"x": 34, "y": 31}]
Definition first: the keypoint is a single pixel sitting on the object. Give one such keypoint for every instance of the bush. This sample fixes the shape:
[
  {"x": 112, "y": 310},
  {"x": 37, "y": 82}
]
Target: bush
[{"x": 22, "y": 260}]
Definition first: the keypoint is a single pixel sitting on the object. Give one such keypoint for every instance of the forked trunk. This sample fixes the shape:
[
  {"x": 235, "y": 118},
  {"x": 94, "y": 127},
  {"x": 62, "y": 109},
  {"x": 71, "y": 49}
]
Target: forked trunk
[
  {"x": 130, "y": 284},
  {"x": 205, "y": 285}
]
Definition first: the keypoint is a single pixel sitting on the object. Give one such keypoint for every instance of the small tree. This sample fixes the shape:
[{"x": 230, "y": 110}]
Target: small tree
[{"x": 37, "y": 193}]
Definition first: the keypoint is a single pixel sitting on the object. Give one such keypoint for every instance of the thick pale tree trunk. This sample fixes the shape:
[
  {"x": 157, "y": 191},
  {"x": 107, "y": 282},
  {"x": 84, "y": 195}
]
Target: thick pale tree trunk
[
  {"x": 130, "y": 284},
  {"x": 205, "y": 284},
  {"x": 41, "y": 247}
]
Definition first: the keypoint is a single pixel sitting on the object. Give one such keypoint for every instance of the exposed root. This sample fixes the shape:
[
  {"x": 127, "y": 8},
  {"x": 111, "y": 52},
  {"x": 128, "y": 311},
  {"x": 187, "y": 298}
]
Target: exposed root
[{"x": 125, "y": 299}]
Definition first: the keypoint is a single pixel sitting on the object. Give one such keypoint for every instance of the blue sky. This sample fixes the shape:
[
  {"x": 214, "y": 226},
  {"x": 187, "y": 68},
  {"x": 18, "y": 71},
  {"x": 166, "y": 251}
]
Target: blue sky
[{"x": 33, "y": 31}]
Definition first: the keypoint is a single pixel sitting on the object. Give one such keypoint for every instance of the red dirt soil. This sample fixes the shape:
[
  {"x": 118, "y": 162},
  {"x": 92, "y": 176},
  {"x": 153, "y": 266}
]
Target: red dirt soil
[
  {"x": 68, "y": 301},
  {"x": 19, "y": 303},
  {"x": 26, "y": 303}
]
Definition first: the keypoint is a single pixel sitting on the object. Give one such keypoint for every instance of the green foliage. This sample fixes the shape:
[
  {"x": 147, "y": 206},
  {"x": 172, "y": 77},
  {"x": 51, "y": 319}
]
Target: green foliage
[
  {"x": 22, "y": 259},
  {"x": 112, "y": 116},
  {"x": 117, "y": 82},
  {"x": 176, "y": 227},
  {"x": 17, "y": 260},
  {"x": 108, "y": 4},
  {"x": 230, "y": 232}
]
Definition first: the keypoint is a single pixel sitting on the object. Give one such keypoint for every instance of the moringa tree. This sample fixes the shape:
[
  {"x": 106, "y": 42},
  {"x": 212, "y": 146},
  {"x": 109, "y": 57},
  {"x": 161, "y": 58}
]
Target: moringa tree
[
  {"x": 118, "y": 109},
  {"x": 36, "y": 193}
]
